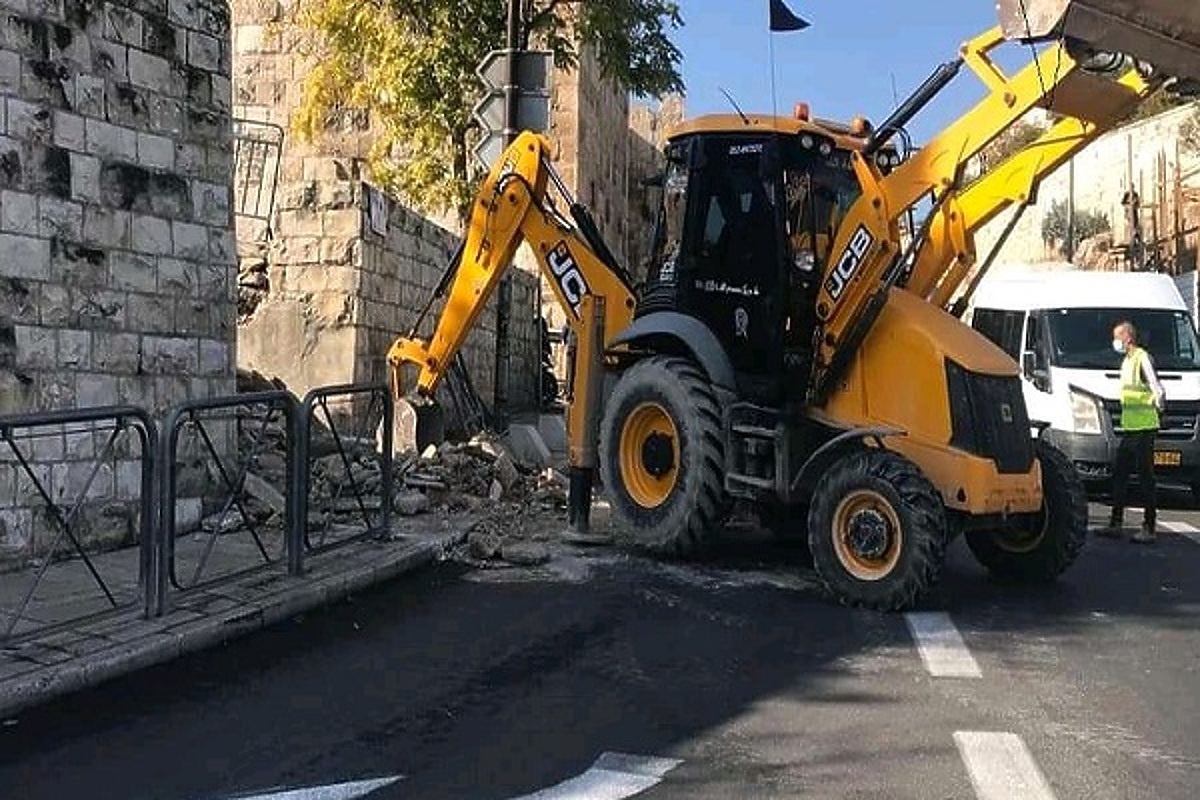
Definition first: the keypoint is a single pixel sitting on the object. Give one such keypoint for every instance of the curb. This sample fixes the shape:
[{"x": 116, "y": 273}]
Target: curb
[{"x": 172, "y": 641}]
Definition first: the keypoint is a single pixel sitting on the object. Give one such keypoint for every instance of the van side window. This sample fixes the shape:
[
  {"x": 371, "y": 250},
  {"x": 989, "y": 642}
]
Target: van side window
[{"x": 1003, "y": 328}]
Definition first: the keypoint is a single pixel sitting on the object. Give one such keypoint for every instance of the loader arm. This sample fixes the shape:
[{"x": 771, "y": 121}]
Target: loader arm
[
  {"x": 511, "y": 207},
  {"x": 868, "y": 261}
]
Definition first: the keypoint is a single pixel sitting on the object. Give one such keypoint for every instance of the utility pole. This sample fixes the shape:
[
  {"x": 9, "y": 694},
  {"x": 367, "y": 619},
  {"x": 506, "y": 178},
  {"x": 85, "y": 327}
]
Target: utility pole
[{"x": 504, "y": 293}]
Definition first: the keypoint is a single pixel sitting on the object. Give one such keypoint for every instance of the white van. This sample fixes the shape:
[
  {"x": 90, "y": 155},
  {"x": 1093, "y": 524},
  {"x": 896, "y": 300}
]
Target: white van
[{"x": 1058, "y": 326}]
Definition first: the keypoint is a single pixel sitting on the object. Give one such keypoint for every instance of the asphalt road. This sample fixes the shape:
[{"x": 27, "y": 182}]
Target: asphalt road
[{"x": 729, "y": 678}]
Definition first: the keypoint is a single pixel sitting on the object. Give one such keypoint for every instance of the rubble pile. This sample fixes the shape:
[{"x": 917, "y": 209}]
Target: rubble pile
[{"x": 515, "y": 505}]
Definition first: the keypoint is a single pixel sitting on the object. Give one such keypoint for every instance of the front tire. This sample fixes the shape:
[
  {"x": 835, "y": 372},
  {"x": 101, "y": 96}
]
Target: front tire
[
  {"x": 662, "y": 455},
  {"x": 1042, "y": 549},
  {"x": 877, "y": 531}
]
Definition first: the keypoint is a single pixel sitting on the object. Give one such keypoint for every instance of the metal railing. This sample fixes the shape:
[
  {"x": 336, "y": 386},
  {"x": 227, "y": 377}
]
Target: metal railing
[
  {"x": 353, "y": 453},
  {"x": 228, "y": 487},
  {"x": 99, "y": 437},
  {"x": 257, "y": 417}
]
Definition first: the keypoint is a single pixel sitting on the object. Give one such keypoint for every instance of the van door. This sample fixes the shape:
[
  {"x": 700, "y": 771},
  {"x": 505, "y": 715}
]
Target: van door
[{"x": 1035, "y": 369}]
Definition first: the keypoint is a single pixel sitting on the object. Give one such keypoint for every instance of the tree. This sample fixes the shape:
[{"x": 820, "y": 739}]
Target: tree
[
  {"x": 1087, "y": 225},
  {"x": 1009, "y": 142},
  {"x": 410, "y": 66}
]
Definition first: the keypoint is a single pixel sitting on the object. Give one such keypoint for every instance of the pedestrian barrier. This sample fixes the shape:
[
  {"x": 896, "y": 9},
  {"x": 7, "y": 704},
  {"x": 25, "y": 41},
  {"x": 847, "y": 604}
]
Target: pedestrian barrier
[
  {"x": 78, "y": 469},
  {"x": 345, "y": 470},
  {"x": 227, "y": 487},
  {"x": 231, "y": 438}
]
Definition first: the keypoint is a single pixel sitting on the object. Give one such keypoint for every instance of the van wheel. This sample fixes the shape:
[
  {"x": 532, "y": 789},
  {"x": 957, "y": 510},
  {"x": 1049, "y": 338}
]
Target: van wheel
[{"x": 1043, "y": 545}]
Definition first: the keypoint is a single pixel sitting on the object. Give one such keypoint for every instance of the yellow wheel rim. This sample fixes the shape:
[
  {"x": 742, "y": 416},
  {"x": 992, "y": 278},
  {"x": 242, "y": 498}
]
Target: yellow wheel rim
[
  {"x": 649, "y": 455},
  {"x": 867, "y": 536}
]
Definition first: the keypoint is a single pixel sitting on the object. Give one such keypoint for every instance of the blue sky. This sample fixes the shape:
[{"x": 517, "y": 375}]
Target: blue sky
[{"x": 842, "y": 65}]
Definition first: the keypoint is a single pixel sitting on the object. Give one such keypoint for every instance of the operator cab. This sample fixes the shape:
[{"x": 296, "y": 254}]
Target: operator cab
[{"x": 749, "y": 213}]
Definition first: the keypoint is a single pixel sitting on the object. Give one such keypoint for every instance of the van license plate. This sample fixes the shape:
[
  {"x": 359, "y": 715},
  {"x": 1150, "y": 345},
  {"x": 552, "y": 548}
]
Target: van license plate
[{"x": 1167, "y": 458}]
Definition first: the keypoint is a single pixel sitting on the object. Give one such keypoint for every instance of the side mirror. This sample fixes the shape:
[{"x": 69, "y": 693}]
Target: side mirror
[{"x": 1039, "y": 376}]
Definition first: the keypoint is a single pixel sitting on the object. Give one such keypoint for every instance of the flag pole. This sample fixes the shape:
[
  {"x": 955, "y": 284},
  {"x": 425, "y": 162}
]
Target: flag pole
[{"x": 771, "y": 51}]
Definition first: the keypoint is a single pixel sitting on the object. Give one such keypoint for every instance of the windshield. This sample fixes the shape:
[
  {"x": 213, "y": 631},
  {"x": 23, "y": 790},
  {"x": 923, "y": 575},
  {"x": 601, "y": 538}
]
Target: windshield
[{"x": 1082, "y": 337}]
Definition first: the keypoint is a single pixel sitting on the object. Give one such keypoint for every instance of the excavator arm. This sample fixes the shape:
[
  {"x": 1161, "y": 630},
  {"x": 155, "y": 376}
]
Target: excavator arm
[
  {"x": 869, "y": 262},
  {"x": 511, "y": 207}
]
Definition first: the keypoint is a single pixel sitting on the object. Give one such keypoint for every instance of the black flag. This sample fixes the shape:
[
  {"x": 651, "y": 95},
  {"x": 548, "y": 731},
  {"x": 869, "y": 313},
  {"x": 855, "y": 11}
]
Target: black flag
[{"x": 782, "y": 19}]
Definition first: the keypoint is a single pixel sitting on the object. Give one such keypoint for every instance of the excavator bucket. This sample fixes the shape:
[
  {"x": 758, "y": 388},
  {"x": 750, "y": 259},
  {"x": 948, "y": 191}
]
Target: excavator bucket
[{"x": 1162, "y": 33}]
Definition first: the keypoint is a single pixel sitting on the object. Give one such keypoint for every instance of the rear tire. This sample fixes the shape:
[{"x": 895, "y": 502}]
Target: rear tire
[
  {"x": 877, "y": 531},
  {"x": 662, "y": 456},
  {"x": 1043, "y": 550}
]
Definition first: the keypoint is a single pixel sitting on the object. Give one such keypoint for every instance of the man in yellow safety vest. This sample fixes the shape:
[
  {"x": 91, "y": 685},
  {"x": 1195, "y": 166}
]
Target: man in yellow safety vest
[{"x": 1142, "y": 398}]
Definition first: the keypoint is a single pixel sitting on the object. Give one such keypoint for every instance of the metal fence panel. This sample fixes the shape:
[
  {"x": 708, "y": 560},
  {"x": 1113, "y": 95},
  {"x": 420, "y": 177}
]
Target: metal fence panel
[
  {"x": 75, "y": 466},
  {"x": 353, "y": 455}
]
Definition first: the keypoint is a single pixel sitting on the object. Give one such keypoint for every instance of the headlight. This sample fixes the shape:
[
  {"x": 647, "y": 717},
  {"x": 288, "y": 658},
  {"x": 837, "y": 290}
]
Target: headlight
[{"x": 1086, "y": 413}]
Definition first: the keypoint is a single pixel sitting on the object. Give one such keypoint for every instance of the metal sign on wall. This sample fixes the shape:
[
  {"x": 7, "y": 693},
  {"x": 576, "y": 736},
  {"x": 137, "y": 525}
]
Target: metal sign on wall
[{"x": 534, "y": 77}]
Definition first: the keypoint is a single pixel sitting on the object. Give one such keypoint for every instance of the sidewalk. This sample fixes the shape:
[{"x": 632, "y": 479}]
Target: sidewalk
[{"x": 43, "y": 665}]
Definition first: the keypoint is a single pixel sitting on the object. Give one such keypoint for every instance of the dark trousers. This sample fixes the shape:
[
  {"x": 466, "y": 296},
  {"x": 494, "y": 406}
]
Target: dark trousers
[{"x": 1135, "y": 450}]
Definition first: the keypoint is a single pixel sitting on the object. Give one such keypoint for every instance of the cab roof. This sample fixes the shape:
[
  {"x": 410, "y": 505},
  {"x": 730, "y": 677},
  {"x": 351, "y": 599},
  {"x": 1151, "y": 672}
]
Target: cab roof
[{"x": 839, "y": 132}]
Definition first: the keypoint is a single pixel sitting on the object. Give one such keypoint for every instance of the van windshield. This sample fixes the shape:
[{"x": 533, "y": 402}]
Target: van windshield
[{"x": 1082, "y": 337}]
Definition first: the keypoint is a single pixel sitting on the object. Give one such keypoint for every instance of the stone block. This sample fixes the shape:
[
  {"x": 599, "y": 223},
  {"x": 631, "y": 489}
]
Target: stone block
[
  {"x": 158, "y": 37},
  {"x": 25, "y": 257},
  {"x": 35, "y": 347},
  {"x": 176, "y": 278},
  {"x": 10, "y": 72},
  {"x": 111, "y": 141},
  {"x": 97, "y": 310},
  {"x": 222, "y": 246},
  {"x": 156, "y": 152},
  {"x": 85, "y": 178},
  {"x": 60, "y": 219},
  {"x": 107, "y": 227},
  {"x": 191, "y": 241},
  {"x": 210, "y": 202},
  {"x": 69, "y": 131},
  {"x": 28, "y": 121},
  {"x": 204, "y": 52},
  {"x": 152, "y": 235},
  {"x": 18, "y": 213},
  {"x": 133, "y": 272},
  {"x": 151, "y": 313},
  {"x": 74, "y": 349},
  {"x": 148, "y": 70},
  {"x": 110, "y": 60},
  {"x": 214, "y": 357},
  {"x": 169, "y": 355},
  {"x": 115, "y": 352}
]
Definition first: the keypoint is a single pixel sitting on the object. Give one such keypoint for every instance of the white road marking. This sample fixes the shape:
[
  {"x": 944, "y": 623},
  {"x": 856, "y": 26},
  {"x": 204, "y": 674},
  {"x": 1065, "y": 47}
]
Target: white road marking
[
  {"x": 941, "y": 645},
  {"x": 1182, "y": 528},
  {"x": 334, "y": 791},
  {"x": 1001, "y": 767},
  {"x": 613, "y": 776}
]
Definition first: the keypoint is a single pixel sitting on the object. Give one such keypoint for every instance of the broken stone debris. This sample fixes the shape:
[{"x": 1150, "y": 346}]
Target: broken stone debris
[{"x": 518, "y": 504}]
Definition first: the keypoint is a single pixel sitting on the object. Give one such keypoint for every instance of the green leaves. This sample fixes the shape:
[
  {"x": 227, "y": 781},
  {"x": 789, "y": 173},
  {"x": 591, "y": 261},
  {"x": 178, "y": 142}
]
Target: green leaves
[{"x": 409, "y": 64}]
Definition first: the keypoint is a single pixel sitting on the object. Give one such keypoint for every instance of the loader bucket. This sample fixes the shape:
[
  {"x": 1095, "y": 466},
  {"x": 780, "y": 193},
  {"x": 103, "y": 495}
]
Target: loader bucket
[
  {"x": 418, "y": 423},
  {"x": 1162, "y": 33}
]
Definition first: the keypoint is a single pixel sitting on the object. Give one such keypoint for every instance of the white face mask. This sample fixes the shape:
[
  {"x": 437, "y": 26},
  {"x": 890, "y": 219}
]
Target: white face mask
[{"x": 1118, "y": 345}]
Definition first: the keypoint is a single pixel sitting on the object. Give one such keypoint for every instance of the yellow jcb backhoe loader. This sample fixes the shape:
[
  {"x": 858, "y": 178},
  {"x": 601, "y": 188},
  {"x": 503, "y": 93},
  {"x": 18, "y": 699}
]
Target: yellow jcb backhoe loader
[{"x": 790, "y": 349}]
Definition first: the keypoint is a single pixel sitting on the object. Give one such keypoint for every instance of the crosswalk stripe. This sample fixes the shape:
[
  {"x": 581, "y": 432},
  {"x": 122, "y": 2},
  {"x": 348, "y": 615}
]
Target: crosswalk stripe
[
  {"x": 614, "y": 776},
  {"x": 941, "y": 645},
  {"x": 333, "y": 791},
  {"x": 1182, "y": 528},
  {"x": 1001, "y": 767}
]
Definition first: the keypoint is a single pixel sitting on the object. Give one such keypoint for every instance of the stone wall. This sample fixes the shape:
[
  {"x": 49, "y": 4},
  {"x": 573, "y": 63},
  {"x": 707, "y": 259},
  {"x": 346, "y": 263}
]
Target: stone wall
[
  {"x": 1132, "y": 156},
  {"x": 324, "y": 299},
  {"x": 116, "y": 284}
]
